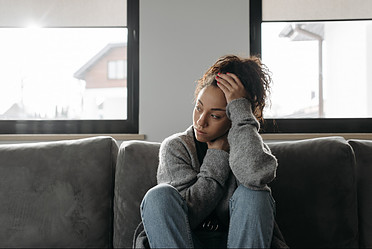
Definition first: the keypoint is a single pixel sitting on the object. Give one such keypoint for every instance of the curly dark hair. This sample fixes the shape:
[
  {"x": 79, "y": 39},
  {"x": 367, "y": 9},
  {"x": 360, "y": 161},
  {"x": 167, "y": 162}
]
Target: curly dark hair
[{"x": 254, "y": 75}]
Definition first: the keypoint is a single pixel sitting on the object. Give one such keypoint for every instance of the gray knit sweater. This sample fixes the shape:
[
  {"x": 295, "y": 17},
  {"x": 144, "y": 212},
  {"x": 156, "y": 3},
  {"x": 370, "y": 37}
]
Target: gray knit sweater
[{"x": 208, "y": 187}]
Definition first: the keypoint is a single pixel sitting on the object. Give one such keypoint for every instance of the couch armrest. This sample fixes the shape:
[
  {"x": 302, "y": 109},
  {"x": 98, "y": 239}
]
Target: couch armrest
[{"x": 135, "y": 174}]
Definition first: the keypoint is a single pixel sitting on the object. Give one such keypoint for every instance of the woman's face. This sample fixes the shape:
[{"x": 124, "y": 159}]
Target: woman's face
[{"x": 209, "y": 117}]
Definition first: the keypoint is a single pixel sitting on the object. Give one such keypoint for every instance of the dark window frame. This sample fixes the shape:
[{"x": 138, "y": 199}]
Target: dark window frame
[
  {"x": 130, "y": 125},
  {"x": 307, "y": 125}
]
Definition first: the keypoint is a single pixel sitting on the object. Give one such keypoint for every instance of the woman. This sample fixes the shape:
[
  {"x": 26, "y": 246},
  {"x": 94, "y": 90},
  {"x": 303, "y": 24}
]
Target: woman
[{"x": 213, "y": 177}]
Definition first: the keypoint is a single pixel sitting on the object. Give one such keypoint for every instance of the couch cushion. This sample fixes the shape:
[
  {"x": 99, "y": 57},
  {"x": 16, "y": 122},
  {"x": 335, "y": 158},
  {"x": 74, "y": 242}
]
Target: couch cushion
[
  {"x": 315, "y": 192},
  {"x": 363, "y": 154},
  {"x": 57, "y": 194},
  {"x": 135, "y": 174}
]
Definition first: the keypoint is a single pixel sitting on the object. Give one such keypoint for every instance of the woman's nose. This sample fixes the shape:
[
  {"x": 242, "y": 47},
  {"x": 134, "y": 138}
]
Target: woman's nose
[{"x": 202, "y": 120}]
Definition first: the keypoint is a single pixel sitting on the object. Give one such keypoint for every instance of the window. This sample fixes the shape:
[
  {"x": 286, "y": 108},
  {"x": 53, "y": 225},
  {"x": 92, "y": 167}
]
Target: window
[
  {"x": 116, "y": 70},
  {"x": 320, "y": 66},
  {"x": 69, "y": 75}
]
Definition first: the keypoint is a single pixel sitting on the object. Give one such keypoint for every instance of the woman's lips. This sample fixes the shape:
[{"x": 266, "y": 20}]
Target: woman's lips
[{"x": 200, "y": 132}]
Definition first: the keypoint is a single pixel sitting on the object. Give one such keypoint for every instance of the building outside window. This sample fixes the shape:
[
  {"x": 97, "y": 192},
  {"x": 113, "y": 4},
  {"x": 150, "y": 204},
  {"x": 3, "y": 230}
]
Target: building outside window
[
  {"x": 55, "y": 73},
  {"x": 105, "y": 79},
  {"x": 65, "y": 71},
  {"x": 319, "y": 53},
  {"x": 320, "y": 69},
  {"x": 116, "y": 70}
]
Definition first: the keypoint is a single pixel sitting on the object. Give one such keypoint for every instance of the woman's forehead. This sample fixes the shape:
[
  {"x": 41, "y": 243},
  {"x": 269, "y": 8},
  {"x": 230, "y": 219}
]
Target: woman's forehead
[{"x": 212, "y": 97}]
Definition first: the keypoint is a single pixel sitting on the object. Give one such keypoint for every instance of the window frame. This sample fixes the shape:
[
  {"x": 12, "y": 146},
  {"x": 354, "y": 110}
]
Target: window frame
[
  {"x": 130, "y": 125},
  {"x": 301, "y": 125}
]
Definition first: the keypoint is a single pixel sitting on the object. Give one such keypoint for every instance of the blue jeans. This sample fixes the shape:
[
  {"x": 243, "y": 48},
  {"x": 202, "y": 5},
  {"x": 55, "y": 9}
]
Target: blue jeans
[{"x": 165, "y": 218}]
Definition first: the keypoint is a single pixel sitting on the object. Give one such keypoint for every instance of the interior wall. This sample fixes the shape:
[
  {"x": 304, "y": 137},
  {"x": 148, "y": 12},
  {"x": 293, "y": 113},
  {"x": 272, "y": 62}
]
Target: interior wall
[
  {"x": 275, "y": 10},
  {"x": 179, "y": 41}
]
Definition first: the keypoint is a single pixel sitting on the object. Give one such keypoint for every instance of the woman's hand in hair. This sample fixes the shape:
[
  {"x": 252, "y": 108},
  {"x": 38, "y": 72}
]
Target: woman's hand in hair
[{"x": 231, "y": 86}]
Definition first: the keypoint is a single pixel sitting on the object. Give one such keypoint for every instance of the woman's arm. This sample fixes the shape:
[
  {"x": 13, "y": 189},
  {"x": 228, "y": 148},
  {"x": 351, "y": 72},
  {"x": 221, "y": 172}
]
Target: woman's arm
[
  {"x": 251, "y": 160},
  {"x": 201, "y": 190}
]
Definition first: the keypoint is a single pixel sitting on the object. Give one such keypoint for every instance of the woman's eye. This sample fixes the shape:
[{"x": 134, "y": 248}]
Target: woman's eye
[
  {"x": 197, "y": 108},
  {"x": 215, "y": 116}
]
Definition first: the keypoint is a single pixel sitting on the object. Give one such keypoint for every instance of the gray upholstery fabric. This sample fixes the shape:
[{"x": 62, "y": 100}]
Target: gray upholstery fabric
[
  {"x": 363, "y": 153},
  {"x": 135, "y": 174},
  {"x": 57, "y": 194},
  {"x": 315, "y": 193}
]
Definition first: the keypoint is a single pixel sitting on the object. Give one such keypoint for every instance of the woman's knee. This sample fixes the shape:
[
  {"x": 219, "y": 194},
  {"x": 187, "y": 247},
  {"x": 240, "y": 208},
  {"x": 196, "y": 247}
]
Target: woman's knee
[
  {"x": 160, "y": 196},
  {"x": 254, "y": 200}
]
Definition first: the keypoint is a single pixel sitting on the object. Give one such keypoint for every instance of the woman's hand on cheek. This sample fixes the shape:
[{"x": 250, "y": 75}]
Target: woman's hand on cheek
[
  {"x": 231, "y": 86},
  {"x": 220, "y": 143}
]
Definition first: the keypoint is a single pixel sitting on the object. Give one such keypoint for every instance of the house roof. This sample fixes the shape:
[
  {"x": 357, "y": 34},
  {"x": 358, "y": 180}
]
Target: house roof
[
  {"x": 80, "y": 74},
  {"x": 16, "y": 111}
]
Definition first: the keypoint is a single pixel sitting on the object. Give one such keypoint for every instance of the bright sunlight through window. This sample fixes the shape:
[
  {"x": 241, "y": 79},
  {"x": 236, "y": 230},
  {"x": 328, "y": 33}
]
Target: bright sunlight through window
[
  {"x": 61, "y": 73},
  {"x": 320, "y": 69}
]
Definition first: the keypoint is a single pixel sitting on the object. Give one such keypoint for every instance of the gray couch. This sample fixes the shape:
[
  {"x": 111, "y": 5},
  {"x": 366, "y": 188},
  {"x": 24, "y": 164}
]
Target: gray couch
[
  {"x": 57, "y": 194},
  {"x": 86, "y": 193},
  {"x": 323, "y": 191}
]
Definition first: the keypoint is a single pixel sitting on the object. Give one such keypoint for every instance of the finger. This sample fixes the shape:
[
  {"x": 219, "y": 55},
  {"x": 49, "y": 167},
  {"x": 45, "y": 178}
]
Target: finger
[
  {"x": 231, "y": 80},
  {"x": 224, "y": 82},
  {"x": 237, "y": 89},
  {"x": 224, "y": 89},
  {"x": 236, "y": 79}
]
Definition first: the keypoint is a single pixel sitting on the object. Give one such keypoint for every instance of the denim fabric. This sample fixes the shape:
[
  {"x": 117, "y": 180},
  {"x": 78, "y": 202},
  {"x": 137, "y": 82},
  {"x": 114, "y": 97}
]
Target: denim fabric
[
  {"x": 165, "y": 219},
  {"x": 252, "y": 214}
]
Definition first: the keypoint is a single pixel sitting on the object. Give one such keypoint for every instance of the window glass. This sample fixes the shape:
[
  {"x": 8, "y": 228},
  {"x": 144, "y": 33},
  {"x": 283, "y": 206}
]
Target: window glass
[
  {"x": 320, "y": 69},
  {"x": 61, "y": 73},
  {"x": 117, "y": 69}
]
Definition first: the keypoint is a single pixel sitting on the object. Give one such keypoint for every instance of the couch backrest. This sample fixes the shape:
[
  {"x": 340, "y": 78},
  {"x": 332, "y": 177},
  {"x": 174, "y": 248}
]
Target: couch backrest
[
  {"x": 135, "y": 174},
  {"x": 363, "y": 154},
  {"x": 57, "y": 194},
  {"x": 315, "y": 193}
]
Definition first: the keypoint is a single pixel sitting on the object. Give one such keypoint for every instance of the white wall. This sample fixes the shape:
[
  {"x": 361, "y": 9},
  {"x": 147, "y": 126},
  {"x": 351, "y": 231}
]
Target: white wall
[{"x": 179, "y": 41}]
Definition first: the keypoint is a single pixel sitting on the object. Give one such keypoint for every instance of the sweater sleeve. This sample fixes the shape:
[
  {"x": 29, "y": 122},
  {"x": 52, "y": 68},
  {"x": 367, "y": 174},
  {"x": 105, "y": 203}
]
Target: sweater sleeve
[
  {"x": 251, "y": 160},
  {"x": 202, "y": 189}
]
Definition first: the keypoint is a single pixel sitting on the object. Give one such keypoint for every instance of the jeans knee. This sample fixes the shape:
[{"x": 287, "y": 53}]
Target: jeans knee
[
  {"x": 256, "y": 201},
  {"x": 252, "y": 218},
  {"x": 160, "y": 196}
]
